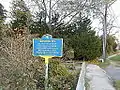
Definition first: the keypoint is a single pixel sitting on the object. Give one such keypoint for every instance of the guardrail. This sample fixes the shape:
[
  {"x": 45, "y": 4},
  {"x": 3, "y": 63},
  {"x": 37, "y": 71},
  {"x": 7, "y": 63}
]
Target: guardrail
[{"x": 81, "y": 80}]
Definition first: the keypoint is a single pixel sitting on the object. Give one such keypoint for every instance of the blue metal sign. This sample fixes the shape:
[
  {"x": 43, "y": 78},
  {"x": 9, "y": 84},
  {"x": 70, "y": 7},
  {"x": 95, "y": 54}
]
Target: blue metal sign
[{"x": 47, "y": 46}]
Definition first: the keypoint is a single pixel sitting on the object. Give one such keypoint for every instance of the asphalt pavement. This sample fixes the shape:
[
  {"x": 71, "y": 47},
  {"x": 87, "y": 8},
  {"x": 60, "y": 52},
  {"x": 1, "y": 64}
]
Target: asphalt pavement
[
  {"x": 98, "y": 78},
  {"x": 113, "y": 71}
]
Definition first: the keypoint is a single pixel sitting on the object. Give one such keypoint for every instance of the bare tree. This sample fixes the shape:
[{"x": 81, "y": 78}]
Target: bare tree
[{"x": 65, "y": 10}]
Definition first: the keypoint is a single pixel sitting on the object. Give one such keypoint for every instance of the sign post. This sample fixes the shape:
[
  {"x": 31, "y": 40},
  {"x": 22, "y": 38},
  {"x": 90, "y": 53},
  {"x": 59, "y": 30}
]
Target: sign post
[
  {"x": 47, "y": 47},
  {"x": 46, "y": 72}
]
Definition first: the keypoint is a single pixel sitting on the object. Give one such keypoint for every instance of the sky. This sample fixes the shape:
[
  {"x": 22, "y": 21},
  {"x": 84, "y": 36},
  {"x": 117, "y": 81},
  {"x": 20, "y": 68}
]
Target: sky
[
  {"x": 5, "y": 3},
  {"x": 115, "y": 12},
  {"x": 116, "y": 9}
]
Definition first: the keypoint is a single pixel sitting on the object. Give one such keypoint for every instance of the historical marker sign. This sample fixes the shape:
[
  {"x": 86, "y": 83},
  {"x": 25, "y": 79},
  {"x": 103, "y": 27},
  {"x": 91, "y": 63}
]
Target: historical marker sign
[{"x": 48, "y": 46}]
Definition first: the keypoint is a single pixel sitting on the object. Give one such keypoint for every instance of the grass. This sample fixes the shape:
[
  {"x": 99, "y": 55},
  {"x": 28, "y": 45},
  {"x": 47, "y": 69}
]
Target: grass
[
  {"x": 104, "y": 64},
  {"x": 74, "y": 70},
  {"x": 117, "y": 84},
  {"x": 116, "y": 58}
]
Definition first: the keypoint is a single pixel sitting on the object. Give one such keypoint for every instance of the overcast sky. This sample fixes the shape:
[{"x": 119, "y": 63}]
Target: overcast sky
[{"x": 115, "y": 7}]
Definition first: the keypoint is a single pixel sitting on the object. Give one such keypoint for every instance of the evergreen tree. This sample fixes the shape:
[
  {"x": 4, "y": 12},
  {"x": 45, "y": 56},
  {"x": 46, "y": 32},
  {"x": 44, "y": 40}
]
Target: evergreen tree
[
  {"x": 2, "y": 13},
  {"x": 20, "y": 14},
  {"x": 80, "y": 36},
  {"x": 41, "y": 26},
  {"x": 2, "y": 18},
  {"x": 111, "y": 44},
  {"x": 84, "y": 41}
]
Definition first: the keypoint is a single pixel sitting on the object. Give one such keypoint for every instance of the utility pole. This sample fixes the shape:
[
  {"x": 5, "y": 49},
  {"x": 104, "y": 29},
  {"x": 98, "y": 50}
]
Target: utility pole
[
  {"x": 105, "y": 31},
  {"x": 50, "y": 16},
  {"x": 108, "y": 3}
]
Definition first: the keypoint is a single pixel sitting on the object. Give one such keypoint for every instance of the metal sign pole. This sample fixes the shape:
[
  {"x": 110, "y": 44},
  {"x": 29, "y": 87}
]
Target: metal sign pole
[{"x": 46, "y": 72}]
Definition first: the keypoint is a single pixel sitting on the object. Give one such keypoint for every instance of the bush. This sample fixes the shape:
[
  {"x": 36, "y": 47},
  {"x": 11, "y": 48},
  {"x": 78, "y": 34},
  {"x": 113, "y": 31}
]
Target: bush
[{"x": 59, "y": 76}]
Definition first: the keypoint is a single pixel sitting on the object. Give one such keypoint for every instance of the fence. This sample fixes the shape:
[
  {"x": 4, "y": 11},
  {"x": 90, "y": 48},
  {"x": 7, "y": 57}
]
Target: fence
[{"x": 81, "y": 80}]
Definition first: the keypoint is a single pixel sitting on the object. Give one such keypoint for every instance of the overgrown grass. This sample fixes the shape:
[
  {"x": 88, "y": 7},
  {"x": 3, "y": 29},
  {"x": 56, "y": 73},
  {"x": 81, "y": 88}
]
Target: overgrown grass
[
  {"x": 115, "y": 58},
  {"x": 117, "y": 84},
  {"x": 62, "y": 76},
  {"x": 74, "y": 68}
]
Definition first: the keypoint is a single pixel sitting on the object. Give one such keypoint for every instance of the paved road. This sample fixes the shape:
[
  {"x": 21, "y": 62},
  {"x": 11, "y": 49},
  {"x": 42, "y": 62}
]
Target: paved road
[{"x": 113, "y": 71}]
